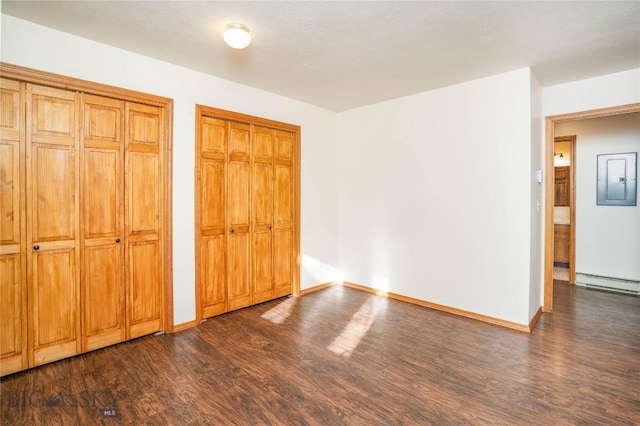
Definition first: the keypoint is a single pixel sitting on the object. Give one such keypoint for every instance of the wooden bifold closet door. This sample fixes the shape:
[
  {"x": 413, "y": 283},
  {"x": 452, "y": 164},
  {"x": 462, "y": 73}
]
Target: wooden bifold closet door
[
  {"x": 102, "y": 184},
  {"x": 13, "y": 272},
  {"x": 120, "y": 146},
  {"x": 81, "y": 259},
  {"x": 52, "y": 217},
  {"x": 246, "y": 210}
]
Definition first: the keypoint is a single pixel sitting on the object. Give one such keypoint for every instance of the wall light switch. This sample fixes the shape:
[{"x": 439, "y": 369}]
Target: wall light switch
[{"x": 539, "y": 176}]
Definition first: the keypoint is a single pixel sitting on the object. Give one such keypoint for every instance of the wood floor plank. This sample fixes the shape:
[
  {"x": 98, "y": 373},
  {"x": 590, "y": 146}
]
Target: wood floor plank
[{"x": 344, "y": 357}]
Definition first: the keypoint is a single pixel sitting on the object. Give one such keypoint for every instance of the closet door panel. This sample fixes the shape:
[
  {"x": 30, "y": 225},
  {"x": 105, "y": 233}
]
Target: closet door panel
[
  {"x": 238, "y": 291},
  {"x": 212, "y": 196},
  {"x": 53, "y": 116},
  {"x": 212, "y": 238},
  {"x": 262, "y": 277},
  {"x": 144, "y": 291},
  {"x": 283, "y": 261},
  {"x": 10, "y": 182},
  {"x": 144, "y": 130},
  {"x": 284, "y": 194},
  {"x": 12, "y": 314},
  {"x": 238, "y": 188},
  {"x": 143, "y": 197},
  {"x": 103, "y": 122},
  {"x": 11, "y": 117},
  {"x": 11, "y": 165},
  {"x": 103, "y": 302},
  {"x": 52, "y": 214},
  {"x": 262, "y": 142},
  {"x": 102, "y": 194},
  {"x": 284, "y": 223},
  {"x": 262, "y": 195},
  {"x": 102, "y": 274},
  {"x": 284, "y": 147},
  {"x": 212, "y": 217},
  {"x": 213, "y": 138},
  {"x": 239, "y": 141},
  {"x": 102, "y": 265},
  {"x": 13, "y": 337},
  {"x": 54, "y": 200},
  {"x": 262, "y": 207},
  {"x": 53, "y": 299},
  {"x": 214, "y": 275},
  {"x": 143, "y": 163},
  {"x": 238, "y": 176},
  {"x": 238, "y": 218}
]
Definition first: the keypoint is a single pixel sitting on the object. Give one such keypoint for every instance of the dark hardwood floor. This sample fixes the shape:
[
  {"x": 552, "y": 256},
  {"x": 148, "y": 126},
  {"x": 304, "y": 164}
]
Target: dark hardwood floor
[{"x": 344, "y": 357}]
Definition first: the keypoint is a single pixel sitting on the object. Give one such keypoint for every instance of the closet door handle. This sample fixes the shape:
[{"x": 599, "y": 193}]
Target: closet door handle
[
  {"x": 269, "y": 227},
  {"x": 233, "y": 230},
  {"x": 117, "y": 240},
  {"x": 36, "y": 247}
]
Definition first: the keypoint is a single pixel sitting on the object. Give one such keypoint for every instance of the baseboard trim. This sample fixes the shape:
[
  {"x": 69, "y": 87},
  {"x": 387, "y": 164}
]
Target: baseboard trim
[
  {"x": 455, "y": 311},
  {"x": 407, "y": 299},
  {"x": 535, "y": 319},
  {"x": 317, "y": 288},
  {"x": 184, "y": 326}
]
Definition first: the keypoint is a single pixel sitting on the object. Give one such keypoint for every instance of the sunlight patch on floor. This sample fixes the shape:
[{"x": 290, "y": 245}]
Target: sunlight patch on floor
[
  {"x": 357, "y": 328},
  {"x": 279, "y": 314}
]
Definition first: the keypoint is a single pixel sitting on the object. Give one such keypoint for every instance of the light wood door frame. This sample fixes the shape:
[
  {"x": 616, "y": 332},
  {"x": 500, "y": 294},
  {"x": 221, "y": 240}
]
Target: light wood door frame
[
  {"x": 29, "y": 75},
  {"x": 205, "y": 111},
  {"x": 550, "y": 122}
]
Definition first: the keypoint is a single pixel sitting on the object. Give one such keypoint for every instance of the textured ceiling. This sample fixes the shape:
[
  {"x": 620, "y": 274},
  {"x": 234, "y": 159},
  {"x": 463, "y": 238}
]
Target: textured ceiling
[{"x": 344, "y": 54}]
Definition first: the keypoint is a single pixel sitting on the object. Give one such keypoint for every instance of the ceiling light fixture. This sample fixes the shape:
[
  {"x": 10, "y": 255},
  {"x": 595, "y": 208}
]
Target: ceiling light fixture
[{"x": 237, "y": 36}]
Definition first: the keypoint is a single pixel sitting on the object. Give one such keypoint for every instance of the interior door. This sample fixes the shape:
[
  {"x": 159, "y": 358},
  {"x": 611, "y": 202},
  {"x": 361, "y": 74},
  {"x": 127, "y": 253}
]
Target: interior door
[
  {"x": 13, "y": 337},
  {"x": 102, "y": 275},
  {"x": 52, "y": 214}
]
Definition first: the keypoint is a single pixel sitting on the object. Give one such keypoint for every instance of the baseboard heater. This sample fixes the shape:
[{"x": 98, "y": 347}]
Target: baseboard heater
[{"x": 608, "y": 283}]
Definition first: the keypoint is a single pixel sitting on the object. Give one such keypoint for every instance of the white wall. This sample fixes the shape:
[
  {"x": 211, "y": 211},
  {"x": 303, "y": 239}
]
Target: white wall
[
  {"x": 434, "y": 195},
  {"x": 34, "y": 46},
  {"x": 536, "y": 268},
  {"x": 607, "y": 237},
  {"x": 610, "y": 90}
]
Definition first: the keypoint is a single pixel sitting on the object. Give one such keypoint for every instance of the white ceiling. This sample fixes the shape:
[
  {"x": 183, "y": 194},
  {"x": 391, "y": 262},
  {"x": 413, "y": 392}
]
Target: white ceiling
[{"x": 344, "y": 54}]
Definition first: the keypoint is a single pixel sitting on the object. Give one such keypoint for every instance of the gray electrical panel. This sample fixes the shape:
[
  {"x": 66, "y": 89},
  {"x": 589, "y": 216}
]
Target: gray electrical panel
[{"x": 617, "y": 179}]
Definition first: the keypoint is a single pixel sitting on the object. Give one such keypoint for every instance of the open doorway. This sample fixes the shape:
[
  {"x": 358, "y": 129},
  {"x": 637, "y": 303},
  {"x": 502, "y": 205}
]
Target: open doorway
[
  {"x": 550, "y": 123},
  {"x": 564, "y": 205}
]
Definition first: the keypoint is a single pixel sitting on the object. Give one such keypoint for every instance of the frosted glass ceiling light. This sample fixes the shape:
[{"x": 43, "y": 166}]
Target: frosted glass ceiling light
[{"x": 237, "y": 36}]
